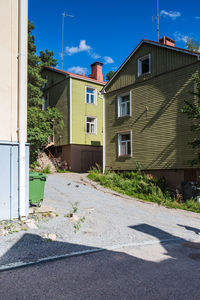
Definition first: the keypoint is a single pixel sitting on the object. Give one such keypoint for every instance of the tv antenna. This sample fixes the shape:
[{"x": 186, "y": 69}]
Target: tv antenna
[
  {"x": 157, "y": 18},
  {"x": 64, "y": 15}
]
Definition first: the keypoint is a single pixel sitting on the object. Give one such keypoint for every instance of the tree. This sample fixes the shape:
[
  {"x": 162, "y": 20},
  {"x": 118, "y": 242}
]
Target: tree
[
  {"x": 193, "y": 112},
  {"x": 41, "y": 123},
  {"x": 109, "y": 75},
  {"x": 47, "y": 58},
  {"x": 192, "y": 45}
]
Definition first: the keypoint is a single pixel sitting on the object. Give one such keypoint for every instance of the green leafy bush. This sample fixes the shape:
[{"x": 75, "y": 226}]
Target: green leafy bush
[{"x": 141, "y": 186}]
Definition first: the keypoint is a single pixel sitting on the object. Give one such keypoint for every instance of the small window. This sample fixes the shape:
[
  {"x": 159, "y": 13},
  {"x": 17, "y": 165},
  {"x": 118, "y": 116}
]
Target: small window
[
  {"x": 144, "y": 65},
  {"x": 45, "y": 103},
  {"x": 45, "y": 84},
  {"x": 124, "y": 105},
  {"x": 124, "y": 144},
  {"x": 90, "y": 95},
  {"x": 90, "y": 125}
]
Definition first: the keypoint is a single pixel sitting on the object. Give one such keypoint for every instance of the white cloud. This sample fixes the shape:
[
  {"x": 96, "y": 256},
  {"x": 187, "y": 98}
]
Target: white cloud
[
  {"x": 171, "y": 14},
  {"x": 82, "y": 47},
  {"x": 180, "y": 37},
  {"x": 197, "y": 17},
  {"x": 108, "y": 60},
  {"x": 78, "y": 70},
  {"x": 95, "y": 55}
]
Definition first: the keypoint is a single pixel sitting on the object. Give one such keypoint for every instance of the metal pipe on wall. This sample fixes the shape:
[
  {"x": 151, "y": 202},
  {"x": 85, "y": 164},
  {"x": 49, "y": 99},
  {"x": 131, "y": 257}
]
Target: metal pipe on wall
[{"x": 23, "y": 19}]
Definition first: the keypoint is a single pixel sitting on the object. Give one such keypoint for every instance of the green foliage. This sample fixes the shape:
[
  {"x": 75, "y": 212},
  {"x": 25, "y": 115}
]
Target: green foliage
[
  {"x": 193, "y": 112},
  {"x": 46, "y": 170},
  {"x": 47, "y": 58},
  {"x": 109, "y": 75},
  {"x": 41, "y": 123},
  {"x": 145, "y": 187},
  {"x": 192, "y": 45}
]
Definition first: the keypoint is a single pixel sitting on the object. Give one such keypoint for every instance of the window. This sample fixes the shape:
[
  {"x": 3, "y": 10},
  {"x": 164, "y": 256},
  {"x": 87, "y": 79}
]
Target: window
[
  {"x": 91, "y": 125},
  {"x": 144, "y": 65},
  {"x": 124, "y": 144},
  {"x": 45, "y": 84},
  {"x": 124, "y": 105},
  {"x": 90, "y": 95},
  {"x": 45, "y": 103}
]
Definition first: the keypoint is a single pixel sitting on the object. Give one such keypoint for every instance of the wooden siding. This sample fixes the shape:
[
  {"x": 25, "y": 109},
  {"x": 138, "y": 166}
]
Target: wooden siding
[
  {"x": 80, "y": 109},
  {"x": 57, "y": 89},
  {"x": 160, "y": 131},
  {"x": 162, "y": 60}
]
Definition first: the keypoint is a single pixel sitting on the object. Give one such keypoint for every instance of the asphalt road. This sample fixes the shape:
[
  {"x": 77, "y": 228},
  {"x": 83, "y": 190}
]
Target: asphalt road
[{"x": 168, "y": 271}]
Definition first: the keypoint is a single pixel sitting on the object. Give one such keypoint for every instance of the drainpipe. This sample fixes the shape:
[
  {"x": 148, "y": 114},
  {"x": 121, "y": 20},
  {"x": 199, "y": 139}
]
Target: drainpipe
[
  {"x": 104, "y": 140},
  {"x": 23, "y": 19}
]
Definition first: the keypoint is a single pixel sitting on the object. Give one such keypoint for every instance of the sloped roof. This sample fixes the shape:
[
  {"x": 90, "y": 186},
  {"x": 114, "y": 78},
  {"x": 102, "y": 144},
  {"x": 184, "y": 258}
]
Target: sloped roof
[
  {"x": 73, "y": 75},
  {"x": 197, "y": 54}
]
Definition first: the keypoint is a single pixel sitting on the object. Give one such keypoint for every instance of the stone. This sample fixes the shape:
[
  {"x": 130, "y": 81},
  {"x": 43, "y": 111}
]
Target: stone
[
  {"x": 74, "y": 218},
  {"x": 44, "y": 209},
  {"x": 52, "y": 236},
  {"x": 31, "y": 224},
  {"x": 3, "y": 232}
]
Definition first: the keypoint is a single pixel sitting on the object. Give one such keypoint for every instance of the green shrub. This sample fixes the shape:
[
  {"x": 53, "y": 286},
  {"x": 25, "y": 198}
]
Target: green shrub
[{"x": 145, "y": 187}]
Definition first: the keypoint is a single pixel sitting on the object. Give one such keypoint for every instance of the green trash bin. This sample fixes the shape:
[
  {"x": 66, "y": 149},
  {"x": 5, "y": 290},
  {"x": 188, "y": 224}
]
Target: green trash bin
[{"x": 36, "y": 188}]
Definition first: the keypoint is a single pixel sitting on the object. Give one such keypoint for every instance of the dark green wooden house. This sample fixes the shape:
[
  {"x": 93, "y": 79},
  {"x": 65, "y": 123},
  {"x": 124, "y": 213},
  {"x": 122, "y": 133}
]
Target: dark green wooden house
[{"x": 143, "y": 120}]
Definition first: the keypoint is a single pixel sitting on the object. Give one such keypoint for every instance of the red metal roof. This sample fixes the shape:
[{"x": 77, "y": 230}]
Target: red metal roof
[{"x": 76, "y": 75}]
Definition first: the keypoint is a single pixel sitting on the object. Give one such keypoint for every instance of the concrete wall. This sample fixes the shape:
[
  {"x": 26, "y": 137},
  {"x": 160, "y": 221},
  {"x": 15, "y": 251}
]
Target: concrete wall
[
  {"x": 10, "y": 198},
  {"x": 9, "y": 70}
]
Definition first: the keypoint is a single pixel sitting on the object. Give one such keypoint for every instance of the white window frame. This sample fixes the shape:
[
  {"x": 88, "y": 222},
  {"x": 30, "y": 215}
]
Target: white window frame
[
  {"x": 140, "y": 65},
  {"x": 119, "y": 99},
  {"x": 45, "y": 104},
  {"x": 95, "y": 95},
  {"x": 45, "y": 84},
  {"x": 119, "y": 143},
  {"x": 95, "y": 125}
]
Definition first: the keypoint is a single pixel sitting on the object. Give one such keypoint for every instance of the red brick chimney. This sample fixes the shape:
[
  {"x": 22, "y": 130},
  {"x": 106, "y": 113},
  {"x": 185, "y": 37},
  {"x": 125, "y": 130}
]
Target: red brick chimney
[
  {"x": 167, "y": 41},
  {"x": 96, "y": 69}
]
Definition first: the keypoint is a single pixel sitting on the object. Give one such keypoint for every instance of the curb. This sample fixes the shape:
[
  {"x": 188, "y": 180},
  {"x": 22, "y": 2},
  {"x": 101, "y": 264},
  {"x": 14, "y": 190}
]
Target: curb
[{"x": 21, "y": 264}]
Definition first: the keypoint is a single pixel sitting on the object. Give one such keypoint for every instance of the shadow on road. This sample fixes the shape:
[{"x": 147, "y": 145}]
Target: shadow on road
[{"x": 109, "y": 275}]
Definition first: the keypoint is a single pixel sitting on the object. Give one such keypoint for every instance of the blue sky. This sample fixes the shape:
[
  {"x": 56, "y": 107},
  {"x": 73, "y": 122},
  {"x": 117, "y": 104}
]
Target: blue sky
[{"x": 108, "y": 31}]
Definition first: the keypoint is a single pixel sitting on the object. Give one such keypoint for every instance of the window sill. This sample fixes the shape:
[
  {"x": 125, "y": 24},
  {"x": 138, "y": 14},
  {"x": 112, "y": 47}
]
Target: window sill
[
  {"x": 125, "y": 116},
  {"x": 91, "y": 103},
  {"x": 128, "y": 155},
  {"x": 91, "y": 133},
  {"x": 144, "y": 74}
]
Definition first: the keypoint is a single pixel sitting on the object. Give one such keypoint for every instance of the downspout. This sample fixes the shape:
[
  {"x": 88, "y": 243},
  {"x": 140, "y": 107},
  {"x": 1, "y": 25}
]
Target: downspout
[
  {"x": 104, "y": 136},
  {"x": 104, "y": 139},
  {"x": 23, "y": 19}
]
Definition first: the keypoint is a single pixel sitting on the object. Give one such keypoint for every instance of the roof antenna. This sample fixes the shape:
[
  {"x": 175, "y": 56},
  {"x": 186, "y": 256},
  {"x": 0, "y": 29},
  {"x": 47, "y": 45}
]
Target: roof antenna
[
  {"x": 158, "y": 21},
  {"x": 64, "y": 15}
]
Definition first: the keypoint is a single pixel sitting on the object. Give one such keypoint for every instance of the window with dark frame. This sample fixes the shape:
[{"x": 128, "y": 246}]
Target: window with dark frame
[
  {"x": 144, "y": 65},
  {"x": 90, "y": 95},
  {"x": 90, "y": 125},
  {"x": 124, "y": 141},
  {"x": 124, "y": 105}
]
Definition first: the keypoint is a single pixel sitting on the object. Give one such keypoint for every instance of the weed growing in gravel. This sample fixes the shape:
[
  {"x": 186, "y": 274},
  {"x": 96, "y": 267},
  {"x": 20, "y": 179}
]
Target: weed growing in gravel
[
  {"x": 141, "y": 186},
  {"x": 77, "y": 226},
  {"x": 73, "y": 210}
]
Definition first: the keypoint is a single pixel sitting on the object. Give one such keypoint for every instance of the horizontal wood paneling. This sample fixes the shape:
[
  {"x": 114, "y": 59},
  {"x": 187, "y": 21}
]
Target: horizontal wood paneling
[
  {"x": 160, "y": 131},
  {"x": 162, "y": 60}
]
